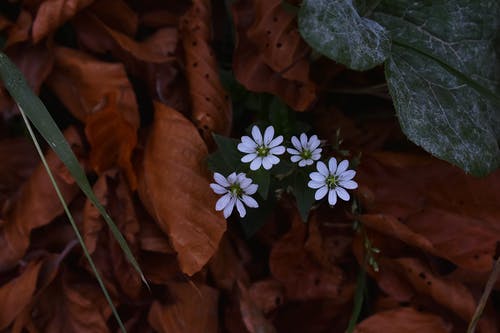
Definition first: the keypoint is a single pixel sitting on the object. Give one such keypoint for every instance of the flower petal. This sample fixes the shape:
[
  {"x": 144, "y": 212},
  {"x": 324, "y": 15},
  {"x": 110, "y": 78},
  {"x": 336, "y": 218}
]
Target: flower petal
[
  {"x": 332, "y": 165},
  {"x": 245, "y": 148},
  {"x": 342, "y": 167},
  {"x": 317, "y": 177},
  {"x": 268, "y": 135},
  {"x": 292, "y": 151},
  {"x": 266, "y": 163},
  {"x": 295, "y": 158},
  {"x": 241, "y": 208},
  {"x": 223, "y": 202},
  {"x": 248, "y": 158},
  {"x": 316, "y": 155},
  {"x": 314, "y": 184},
  {"x": 257, "y": 136},
  {"x": 232, "y": 178},
  {"x": 256, "y": 163},
  {"x": 277, "y": 150},
  {"x": 276, "y": 141},
  {"x": 322, "y": 168},
  {"x": 320, "y": 193},
  {"x": 309, "y": 162},
  {"x": 249, "y": 201},
  {"x": 314, "y": 142},
  {"x": 348, "y": 184},
  {"x": 247, "y": 141},
  {"x": 347, "y": 175},
  {"x": 245, "y": 182},
  {"x": 342, "y": 193},
  {"x": 220, "y": 179},
  {"x": 273, "y": 159},
  {"x": 332, "y": 197},
  {"x": 218, "y": 189},
  {"x": 296, "y": 143},
  {"x": 229, "y": 208},
  {"x": 303, "y": 163},
  {"x": 251, "y": 189},
  {"x": 303, "y": 140}
]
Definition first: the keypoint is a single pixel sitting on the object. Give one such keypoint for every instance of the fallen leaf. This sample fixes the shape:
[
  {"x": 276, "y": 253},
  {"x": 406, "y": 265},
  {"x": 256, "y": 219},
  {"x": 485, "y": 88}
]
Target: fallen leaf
[
  {"x": 267, "y": 295},
  {"x": 405, "y": 320},
  {"x": 82, "y": 83},
  {"x": 112, "y": 140},
  {"x": 303, "y": 278},
  {"x": 71, "y": 305},
  {"x": 37, "y": 204},
  {"x": 117, "y": 14},
  {"x": 19, "y": 159},
  {"x": 18, "y": 293},
  {"x": 174, "y": 161},
  {"x": 211, "y": 106},
  {"x": 111, "y": 190},
  {"x": 192, "y": 309},
  {"x": 254, "y": 70},
  {"x": 52, "y": 14},
  {"x": 252, "y": 316}
]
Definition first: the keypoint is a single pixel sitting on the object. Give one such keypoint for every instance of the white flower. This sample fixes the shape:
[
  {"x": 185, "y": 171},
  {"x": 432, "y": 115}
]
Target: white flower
[
  {"x": 261, "y": 150},
  {"x": 332, "y": 180},
  {"x": 236, "y": 190},
  {"x": 306, "y": 150}
]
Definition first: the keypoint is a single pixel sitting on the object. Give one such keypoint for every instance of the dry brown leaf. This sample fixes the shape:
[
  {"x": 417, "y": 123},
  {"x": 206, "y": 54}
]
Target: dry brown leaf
[
  {"x": 112, "y": 140},
  {"x": 20, "y": 30},
  {"x": 17, "y": 294},
  {"x": 117, "y": 15},
  {"x": 211, "y": 107},
  {"x": 192, "y": 309},
  {"x": 302, "y": 277},
  {"x": 19, "y": 159},
  {"x": 267, "y": 295},
  {"x": 82, "y": 84},
  {"x": 252, "y": 316},
  {"x": 253, "y": 63},
  {"x": 52, "y": 14},
  {"x": 111, "y": 190},
  {"x": 37, "y": 204},
  {"x": 71, "y": 305},
  {"x": 176, "y": 188},
  {"x": 401, "y": 320}
]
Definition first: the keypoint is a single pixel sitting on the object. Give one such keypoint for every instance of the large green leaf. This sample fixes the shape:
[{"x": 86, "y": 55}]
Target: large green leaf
[
  {"x": 443, "y": 74},
  {"x": 334, "y": 28}
]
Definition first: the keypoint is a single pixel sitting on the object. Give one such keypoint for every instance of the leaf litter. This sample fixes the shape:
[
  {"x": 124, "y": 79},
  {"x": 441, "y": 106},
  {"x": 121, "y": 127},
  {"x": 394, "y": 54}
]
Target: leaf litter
[{"x": 138, "y": 90}]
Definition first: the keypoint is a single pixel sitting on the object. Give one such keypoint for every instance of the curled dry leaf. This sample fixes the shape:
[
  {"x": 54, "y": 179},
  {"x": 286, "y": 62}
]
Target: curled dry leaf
[
  {"x": 302, "y": 277},
  {"x": 18, "y": 293},
  {"x": 253, "y": 317},
  {"x": 405, "y": 320},
  {"x": 211, "y": 107},
  {"x": 267, "y": 295},
  {"x": 19, "y": 158},
  {"x": 192, "y": 309},
  {"x": 111, "y": 190},
  {"x": 112, "y": 140},
  {"x": 20, "y": 30},
  {"x": 52, "y": 14},
  {"x": 70, "y": 304},
  {"x": 37, "y": 204},
  {"x": 82, "y": 83},
  {"x": 257, "y": 66},
  {"x": 176, "y": 188},
  {"x": 117, "y": 15},
  {"x": 440, "y": 209}
]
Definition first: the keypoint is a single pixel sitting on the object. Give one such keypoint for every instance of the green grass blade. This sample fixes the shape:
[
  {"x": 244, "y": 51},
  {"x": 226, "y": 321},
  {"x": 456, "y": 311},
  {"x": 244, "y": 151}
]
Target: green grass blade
[
  {"x": 358, "y": 299},
  {"x": 72, "y": 221},
  {"x": 37, "y": 113}
]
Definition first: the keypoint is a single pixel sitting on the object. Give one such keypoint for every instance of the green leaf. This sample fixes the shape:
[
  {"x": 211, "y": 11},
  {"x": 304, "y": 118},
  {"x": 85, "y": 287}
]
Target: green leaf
[
  {"x": 335, "y": 29},
  {"x": 443, "y": 74},
  {"x": 37, "y": 113},
  {"x": 226, "y": 159},
  {"x": 257, "y": 217},
  {"x": 263, "y": 179},
  {"x": 303, "y": 194}
]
